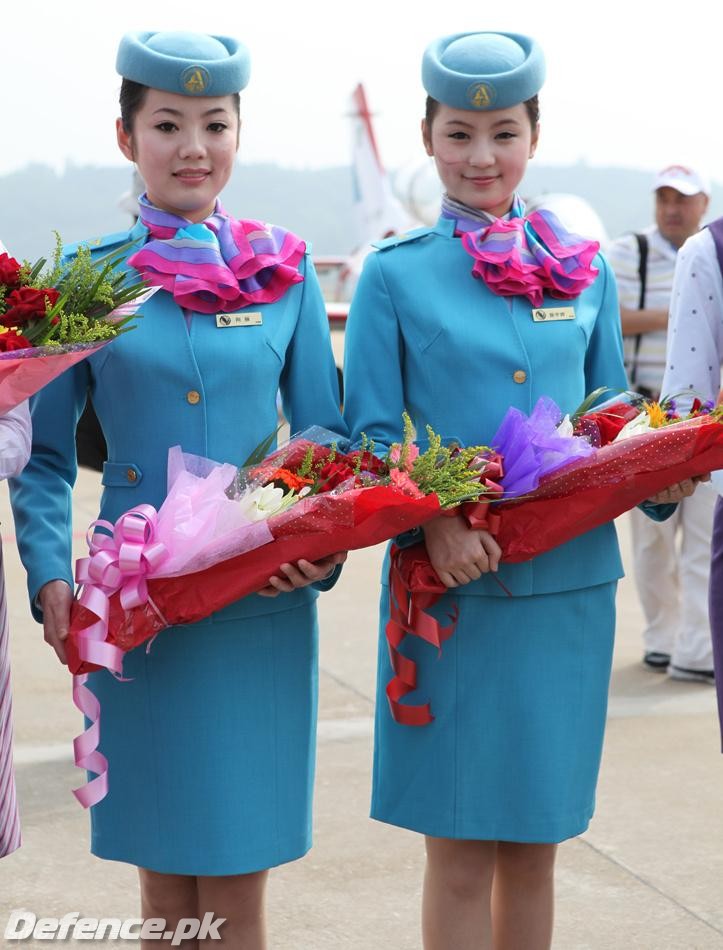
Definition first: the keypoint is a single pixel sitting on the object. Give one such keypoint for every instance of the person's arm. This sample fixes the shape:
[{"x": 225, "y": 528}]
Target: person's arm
[
  {"x": 15, "y": 440},
  {"x": 373, "y": 362},
  {"x": 309, "y": 385},
  {"x": 310, "y": 395},
  {"x": 642, "y": 321},
  {"x": 694, "y": 350},
  {"x": 41, "y": 498}
]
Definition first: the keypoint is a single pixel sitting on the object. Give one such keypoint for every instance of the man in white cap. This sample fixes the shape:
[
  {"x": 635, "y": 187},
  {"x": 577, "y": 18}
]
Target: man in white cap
[{"x": 672, "y": 558}]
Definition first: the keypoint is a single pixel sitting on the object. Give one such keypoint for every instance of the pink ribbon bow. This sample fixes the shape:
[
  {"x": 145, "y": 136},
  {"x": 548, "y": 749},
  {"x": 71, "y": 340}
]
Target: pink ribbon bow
[{"x": 119, "y": 561}]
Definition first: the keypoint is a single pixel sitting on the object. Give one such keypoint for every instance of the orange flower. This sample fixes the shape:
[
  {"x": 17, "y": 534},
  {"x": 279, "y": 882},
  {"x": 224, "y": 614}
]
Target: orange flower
[
  {"x": 656, "y": 414},
  {"x": 292, "y": 481}
]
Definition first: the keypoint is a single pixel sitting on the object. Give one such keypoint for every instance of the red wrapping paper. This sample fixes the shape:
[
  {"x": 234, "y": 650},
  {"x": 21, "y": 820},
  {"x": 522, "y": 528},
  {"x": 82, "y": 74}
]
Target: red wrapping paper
[
  {"x": 594, "y": 490},
  {"x": 583, "y": 496},
  {"x": 24, "y": 372},
  {"x": 314, "y": 528}
]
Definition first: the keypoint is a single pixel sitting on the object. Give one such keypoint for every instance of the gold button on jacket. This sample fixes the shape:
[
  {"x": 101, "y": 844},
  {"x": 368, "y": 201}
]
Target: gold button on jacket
[
  {"x": 519, "y": 376},
  {"x": 132, "y": 475},
  {"x": 193, "y": 396}
]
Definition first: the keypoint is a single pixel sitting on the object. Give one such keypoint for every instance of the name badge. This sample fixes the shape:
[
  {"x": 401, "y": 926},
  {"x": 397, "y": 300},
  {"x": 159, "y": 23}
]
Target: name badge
[
  {"x": 546, "y": 314},
  {"x": 243, "y": 319}
]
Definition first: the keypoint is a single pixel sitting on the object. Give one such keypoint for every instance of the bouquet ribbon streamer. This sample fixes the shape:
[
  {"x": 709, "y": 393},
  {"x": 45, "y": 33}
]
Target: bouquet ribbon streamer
[{"x": 119, "y": 561}]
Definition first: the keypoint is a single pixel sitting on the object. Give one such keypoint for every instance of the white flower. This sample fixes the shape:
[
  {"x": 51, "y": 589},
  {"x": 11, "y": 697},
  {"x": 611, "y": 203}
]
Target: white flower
[
  {"x": 260, "y": 503},
  {"x": 566, "y": 428},
  {"x": 637, "y": 426}
]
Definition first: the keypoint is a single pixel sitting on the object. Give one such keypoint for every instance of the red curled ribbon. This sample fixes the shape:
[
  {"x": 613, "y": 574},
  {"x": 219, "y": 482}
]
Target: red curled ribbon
[
  {"x": 414, "y": 587},
  {"x": 118, "y": 561}
]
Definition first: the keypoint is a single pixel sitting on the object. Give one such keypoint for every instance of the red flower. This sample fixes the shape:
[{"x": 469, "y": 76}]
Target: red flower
[
  {"x": 11, "y": 340},
  {"x": 27, "y": 303},
  {"x": 369, "y": 462},
  {"x": 333, "y": 474},
  {"x": 607, "y": 423},
  {"x": 9, "y": 271}
]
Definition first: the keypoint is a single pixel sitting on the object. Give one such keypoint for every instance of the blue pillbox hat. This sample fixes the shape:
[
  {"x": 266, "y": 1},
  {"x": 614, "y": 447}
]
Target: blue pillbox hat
[
  {"x": 479, "y": 71},
  {"x": 192, "y": 64}
]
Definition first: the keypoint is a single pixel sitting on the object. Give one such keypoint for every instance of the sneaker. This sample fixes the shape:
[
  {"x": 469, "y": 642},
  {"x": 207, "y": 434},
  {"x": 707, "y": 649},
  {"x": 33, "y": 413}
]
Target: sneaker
[
  {"x": 691, "y": 676},
  {"x": 658, "y": 662}
]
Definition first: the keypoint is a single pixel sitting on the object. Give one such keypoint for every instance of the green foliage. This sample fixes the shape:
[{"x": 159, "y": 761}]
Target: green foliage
[
  {"x": 444, "y": 471},
  {"x": 307, "y": 466},
  {"x": 89, "y": 291}
]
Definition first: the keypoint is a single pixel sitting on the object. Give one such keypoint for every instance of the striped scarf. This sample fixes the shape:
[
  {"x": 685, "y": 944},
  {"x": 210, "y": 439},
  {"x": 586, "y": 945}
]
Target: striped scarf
[
  {"x": 218, "y": 265},
  {"x": 524, "y": 255},
  {"x": 472, "y": 219}
]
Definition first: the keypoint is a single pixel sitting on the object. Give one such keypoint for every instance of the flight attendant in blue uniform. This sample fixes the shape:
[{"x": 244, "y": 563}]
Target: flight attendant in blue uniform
[
  {"x": 508, "y": 767},
  {"x": 211, "y": 738}
]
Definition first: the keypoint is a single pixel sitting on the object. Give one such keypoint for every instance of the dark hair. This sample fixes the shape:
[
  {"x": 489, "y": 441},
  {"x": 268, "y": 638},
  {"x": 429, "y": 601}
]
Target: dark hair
[
  {"x": 531, "y": 105},
  {"x": 133, "y": 95}
]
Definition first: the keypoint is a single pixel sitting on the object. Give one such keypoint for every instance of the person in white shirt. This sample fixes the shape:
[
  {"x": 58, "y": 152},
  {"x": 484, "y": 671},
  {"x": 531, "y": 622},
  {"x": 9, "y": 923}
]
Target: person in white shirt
[
  {"x": 671, "y": 559},
  {"x": 693, "y": 369},
  {"x": 15, "y": 440}
]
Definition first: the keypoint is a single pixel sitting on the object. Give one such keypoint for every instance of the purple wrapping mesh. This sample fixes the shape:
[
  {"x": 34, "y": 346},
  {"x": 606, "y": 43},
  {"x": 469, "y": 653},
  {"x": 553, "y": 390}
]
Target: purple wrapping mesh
[{"x": 532, "y": 447}]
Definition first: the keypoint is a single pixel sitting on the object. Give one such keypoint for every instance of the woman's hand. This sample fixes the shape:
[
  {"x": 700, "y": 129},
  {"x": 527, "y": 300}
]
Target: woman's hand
[
  {"x": 55, "y": 599},
  {"x": 679, "y": 491},
  {"x": 301, "y": 574},
  {"x": 459, "y": 554}
]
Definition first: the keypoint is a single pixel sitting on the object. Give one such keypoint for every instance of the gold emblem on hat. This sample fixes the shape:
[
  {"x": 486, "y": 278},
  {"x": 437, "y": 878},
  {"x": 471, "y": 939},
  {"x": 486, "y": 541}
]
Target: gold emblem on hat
[
  {"x": 195, "y": 80},
  {"x": 481, "y": 95}
]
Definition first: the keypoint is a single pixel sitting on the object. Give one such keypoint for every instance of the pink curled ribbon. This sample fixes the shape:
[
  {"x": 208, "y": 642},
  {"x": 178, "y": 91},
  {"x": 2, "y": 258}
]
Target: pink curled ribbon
[{"x": 120, "y": 560}]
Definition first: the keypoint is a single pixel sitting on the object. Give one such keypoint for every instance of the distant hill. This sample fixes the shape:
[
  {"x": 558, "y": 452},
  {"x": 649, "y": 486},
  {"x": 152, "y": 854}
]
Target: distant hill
[{"x": 83, "y": 201}]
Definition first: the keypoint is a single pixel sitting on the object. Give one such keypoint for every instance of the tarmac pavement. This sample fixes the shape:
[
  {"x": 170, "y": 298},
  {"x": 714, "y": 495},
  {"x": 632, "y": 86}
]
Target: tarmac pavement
[{"x": 647, "y": 875}]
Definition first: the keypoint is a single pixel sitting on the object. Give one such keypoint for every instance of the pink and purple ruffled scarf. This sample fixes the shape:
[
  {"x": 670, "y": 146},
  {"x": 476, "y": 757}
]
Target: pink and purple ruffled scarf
[
  {"x": 220, "y": 264},
  {"x": 524, "y": 255}
]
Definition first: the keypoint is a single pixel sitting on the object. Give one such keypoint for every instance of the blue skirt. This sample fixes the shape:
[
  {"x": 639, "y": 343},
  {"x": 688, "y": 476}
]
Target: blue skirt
[
  {"x": 211, "y": 747},
  {"x": 519, "y": 696}
]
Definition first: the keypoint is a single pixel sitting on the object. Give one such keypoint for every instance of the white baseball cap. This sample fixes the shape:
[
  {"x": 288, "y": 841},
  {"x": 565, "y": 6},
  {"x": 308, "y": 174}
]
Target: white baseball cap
[{"x": 683, "y": 179}]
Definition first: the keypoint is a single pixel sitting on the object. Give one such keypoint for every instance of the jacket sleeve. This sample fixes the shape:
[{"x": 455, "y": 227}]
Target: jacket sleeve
[
  {"x": 309, "y": 386},
  {"x": 41, "y": 496},
  {"x": 15, "y": 440},
  {"x": 373, "y": 361},
  {"x": 604, "y": 360}
]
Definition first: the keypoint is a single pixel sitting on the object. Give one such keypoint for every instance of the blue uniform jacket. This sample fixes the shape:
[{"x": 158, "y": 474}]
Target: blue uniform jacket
[
  {"x": 425, "y": 336},
  {"x": 211, "y": 390}
]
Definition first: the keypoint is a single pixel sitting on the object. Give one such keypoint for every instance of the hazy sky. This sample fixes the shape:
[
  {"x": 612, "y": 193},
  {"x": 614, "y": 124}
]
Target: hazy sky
[{"x": 630, "y": 84}]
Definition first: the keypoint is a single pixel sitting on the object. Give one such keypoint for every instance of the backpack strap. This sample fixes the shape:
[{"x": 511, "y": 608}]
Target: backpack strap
[{"x": 642, "y": 241}]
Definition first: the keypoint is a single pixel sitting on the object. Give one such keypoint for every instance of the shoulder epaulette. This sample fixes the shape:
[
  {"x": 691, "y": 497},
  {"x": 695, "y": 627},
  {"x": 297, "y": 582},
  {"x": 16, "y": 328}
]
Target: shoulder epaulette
[
  {"x": 99, "y": 243},
  {"x": 396, "y": 239}
]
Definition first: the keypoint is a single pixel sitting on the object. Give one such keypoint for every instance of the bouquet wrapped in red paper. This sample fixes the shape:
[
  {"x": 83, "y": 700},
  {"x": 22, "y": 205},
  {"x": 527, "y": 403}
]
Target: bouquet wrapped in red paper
[
  {"x": 629, "y": 449},
  {"x": 638, "y": 448},
  {"x": 52, "y": 319},
  {"x": 222, "y": 532}
]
